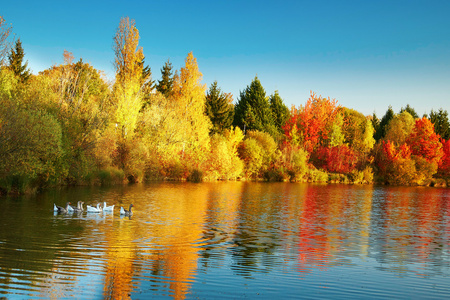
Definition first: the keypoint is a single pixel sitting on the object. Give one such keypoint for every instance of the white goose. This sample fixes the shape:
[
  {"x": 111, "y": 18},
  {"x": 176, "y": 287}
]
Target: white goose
[
  {"x": 108, "y": 208},
  {"x": 125, "y": 212},
  {"x": 93, "y": 209}
]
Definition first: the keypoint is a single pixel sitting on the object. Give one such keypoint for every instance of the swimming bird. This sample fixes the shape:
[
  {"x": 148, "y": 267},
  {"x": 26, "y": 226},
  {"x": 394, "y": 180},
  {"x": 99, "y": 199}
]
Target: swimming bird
[
  {"x": 60, "y": 209},
  {"x": 126, "y": 212},
  {"x": 79, "y": 207},
  {"x": 107, "y": 208},
  {"x": 93, "y": 209}
]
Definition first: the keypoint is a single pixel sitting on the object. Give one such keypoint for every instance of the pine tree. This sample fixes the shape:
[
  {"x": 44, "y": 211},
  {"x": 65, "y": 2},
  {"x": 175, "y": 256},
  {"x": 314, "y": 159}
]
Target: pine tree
[
  {"x": 279, "y": 110},
  {"x": 441, "y": 123},
  {"x": 252, "y": 112},
  {"x": 219, "y": 109},
  {"x": 381, "y": 131},
  {"x": 165, "y": 85},
  {"x": 16, "y": 62}
]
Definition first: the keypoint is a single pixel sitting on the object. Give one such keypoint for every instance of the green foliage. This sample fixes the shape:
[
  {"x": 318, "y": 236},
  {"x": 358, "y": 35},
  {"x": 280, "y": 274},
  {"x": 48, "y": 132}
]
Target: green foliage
[
  {"x": 381, "y": 130},
  {"x": 165, "y": 84},
  {"x": 252, "y": 111},
  {"x": 399, "y": 128},
  {"x": 219, "y": 109},
  {"x": 441, "y": 124},
  {"x": 16, "y": 63},
  {"x": 279, "y": 110},
  {"x": 410, "y": 110}
]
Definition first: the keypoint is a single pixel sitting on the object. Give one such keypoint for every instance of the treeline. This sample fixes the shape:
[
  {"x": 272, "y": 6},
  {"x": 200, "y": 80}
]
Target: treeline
[{"x": 69, "y": 126}]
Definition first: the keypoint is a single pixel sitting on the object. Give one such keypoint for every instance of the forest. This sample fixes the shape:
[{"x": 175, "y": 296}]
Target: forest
[{"x": 68, "y": 125}]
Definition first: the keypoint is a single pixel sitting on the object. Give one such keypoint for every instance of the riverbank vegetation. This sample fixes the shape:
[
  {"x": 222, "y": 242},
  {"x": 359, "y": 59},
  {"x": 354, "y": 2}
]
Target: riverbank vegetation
[{"x": 68, "y": 125}]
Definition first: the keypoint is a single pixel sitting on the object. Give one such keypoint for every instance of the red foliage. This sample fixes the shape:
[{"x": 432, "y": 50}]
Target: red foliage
[
  {"x": 338, "y": 159},
  {"x": 424, "y": 142},
  {"x": 390, "y": 154},
  {"x": 444, "y": 163},
  {"x": 312, "y": 121}
]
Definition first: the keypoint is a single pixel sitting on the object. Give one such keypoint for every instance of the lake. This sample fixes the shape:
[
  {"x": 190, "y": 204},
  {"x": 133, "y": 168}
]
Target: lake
[{"x": 229, "y": 240}]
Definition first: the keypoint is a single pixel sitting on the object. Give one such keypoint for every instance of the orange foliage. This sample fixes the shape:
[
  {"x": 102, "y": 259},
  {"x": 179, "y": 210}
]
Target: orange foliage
[
  {"x": 424, "y": 142},
  {"x": 313, "y": 121},
  {"x": 338, "y": 159},
  {"x": 444, "y": 163}
]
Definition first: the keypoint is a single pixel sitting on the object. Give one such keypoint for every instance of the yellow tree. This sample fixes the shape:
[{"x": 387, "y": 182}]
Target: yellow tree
[
  {"x": 189, "y": 96},
  {"x": 129, "y": 79}
]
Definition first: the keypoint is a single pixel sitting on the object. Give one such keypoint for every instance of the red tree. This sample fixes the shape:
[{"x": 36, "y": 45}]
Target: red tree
[{"x": 424, "y": 142}]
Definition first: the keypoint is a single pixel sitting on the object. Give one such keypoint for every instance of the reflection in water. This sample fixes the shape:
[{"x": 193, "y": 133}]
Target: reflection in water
[{"x": 234, "y": 239}]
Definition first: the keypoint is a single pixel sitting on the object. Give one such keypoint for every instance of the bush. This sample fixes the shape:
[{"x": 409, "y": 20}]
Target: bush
[{"x": 195, "y": 176}]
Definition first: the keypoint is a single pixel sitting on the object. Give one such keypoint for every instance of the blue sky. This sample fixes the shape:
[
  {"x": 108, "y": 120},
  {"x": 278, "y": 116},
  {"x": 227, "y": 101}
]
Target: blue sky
[{"x": 366, "y": 54}]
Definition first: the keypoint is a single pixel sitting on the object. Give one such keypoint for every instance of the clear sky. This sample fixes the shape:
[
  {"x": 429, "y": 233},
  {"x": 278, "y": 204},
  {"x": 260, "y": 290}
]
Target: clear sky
[{"x": 366, "y": 54}]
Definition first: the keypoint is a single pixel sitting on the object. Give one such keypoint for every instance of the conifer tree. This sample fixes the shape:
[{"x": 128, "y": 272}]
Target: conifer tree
[
  {"x": 16, "y": 64},
  {"x": 279, "y": 110},
  {"x": 219, "y": 109},
  {"x": 252, "y": 112},
  {"x": 165, "y": 85},
  {"x": 381, "y": 131},
  {"x": 441, "y": 123}
]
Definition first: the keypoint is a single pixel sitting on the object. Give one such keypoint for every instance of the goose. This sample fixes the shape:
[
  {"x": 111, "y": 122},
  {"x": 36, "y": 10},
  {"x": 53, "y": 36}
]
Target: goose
[
  {"x": 107, "y": 208},
  {"x": 126, "y": 212},
  {"x": 93, "y": 209},
  {"x": 60, "y": 209},
  {"x": 79, "y": 207}
]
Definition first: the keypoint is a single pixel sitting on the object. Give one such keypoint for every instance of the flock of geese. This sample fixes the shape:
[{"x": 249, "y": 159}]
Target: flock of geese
[{"x": 90, "y": 209}]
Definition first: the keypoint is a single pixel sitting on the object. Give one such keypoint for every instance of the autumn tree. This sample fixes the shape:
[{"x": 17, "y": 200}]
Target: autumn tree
[
  {"x": 165, "y": 84},
  {"x": 312, "y": 123},
  {"x": 399, "y": 128},
  {"x": 410, "y": 110},
  {"x": 219, "y": 108},
  {"x": 424, "y": 142},
  {"x": 16, "y": 63},
  {"x": 189, "y": 96},
  {"x": 252, "y": 111},
  {"x": 444, "y": 163},
  {"x": 127, "y": 90},
  {"x": 5, "y": 31}
]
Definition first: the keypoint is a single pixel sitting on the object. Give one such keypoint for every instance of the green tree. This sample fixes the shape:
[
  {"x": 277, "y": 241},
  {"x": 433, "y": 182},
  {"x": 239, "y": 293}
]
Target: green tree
[
  {"x": 252, "y": 112},
  {"x": 411, "y": 111},
  {"x": 399, "y": 128},
  {"x": 165, "y": 85},
  {"x": 381, "y": 130},
  {"x": 16, "y": 62},
  {"x": 441, "y": 123},
  {"x": 219, "y": 109},
  {"x": 279, "y": 110}
]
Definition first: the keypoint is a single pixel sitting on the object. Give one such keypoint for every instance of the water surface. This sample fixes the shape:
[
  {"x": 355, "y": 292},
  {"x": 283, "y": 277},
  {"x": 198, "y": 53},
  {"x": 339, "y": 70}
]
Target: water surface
[{"x": 229, "y": 240}]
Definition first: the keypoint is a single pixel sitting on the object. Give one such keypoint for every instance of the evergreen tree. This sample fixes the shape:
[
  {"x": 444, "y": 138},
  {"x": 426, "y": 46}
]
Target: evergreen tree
[
  {"x": 381, "y": 131},
  {"x": 16, "y": 64},
  {"x": 252, "y": 112},
  {"x": 219, "y": 109},
  {"x": 165, "y": 85},
  {"x": 375, "y": 123},
  {"x": 411, "y": 111},
  {"x": 441, "y": 123},
  {"x": 279, "y": 110}
]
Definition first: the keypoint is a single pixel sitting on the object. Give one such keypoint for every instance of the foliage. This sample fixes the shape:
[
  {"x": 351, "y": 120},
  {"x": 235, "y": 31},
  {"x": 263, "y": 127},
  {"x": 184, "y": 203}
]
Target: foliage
[
  {"x": 252, "y": 111},
  {"x": 410, "y": 110},
  {"x": 444, "y": 163},
  {"x": 219, "y": 108},
  {"x": 441, "y": 124},
  {"x": 337, "y": 159},
  {"x": 424, "y": 142},
  {"x": 5, "y": 31},
  {"x": 309, "y": 126},
  {"x": 257, "y": 151},
  {"x": 165, "y": 85},
  {"x": 382, "y": 127},
  {"x": 279, "y": 110},
  {"x": 16, "y": 63},
  {"x": 399, "y": 128}
]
